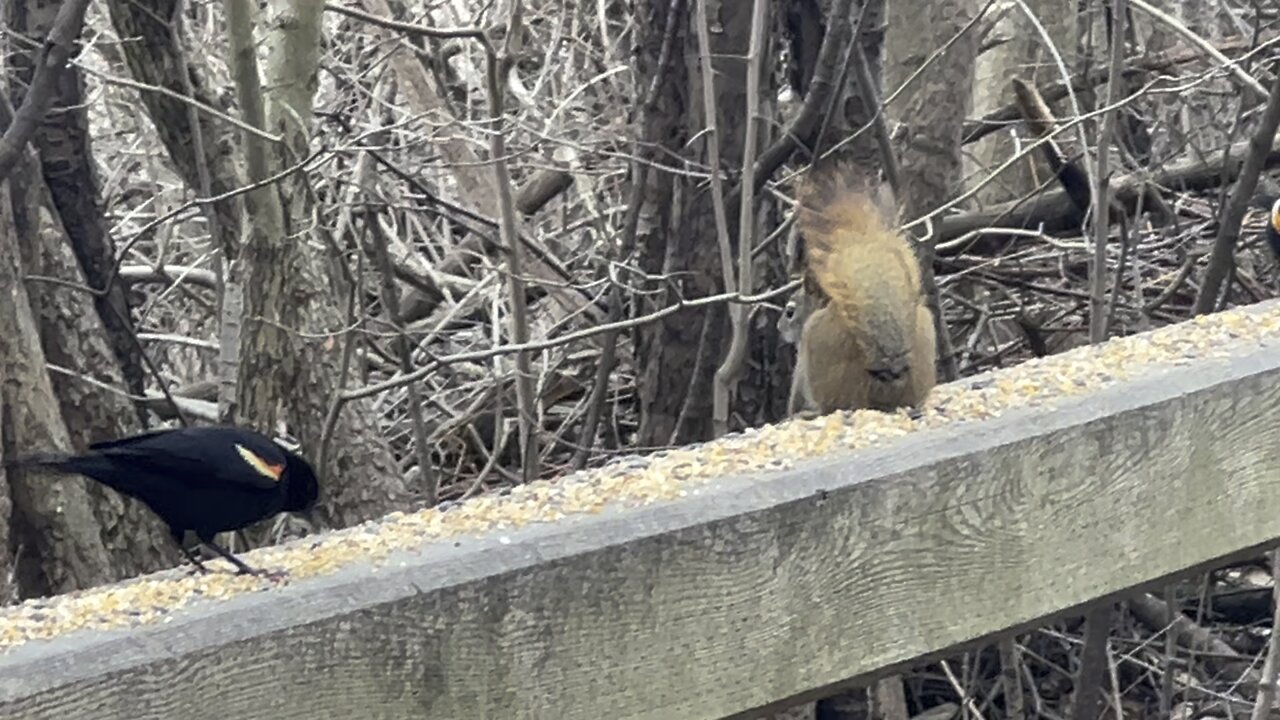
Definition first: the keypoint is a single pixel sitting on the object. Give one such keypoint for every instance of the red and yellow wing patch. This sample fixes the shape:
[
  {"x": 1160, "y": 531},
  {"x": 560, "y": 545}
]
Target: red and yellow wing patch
[{"x": 256, "y": 462}]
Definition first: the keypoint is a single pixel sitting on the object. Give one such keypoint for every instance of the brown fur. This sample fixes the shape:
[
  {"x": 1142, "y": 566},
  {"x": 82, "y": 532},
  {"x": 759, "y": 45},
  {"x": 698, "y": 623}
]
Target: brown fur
[{"x": 872, "y": 345}]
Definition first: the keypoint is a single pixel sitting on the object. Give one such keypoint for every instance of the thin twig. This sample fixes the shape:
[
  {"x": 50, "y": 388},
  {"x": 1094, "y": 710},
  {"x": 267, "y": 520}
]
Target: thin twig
[
  {"x": 1245, "y": 78},
  {"x": 50, "y": 63},
  {"x": 407, "y": 28},
  {"x": 533, "y": 346},
  {"x": 496, "y": 67},
  {"x": 189, "y": 100},
  {"x": 1271, "y": 667},
  {"x": 1222, "y": 257},
  {"x": 1100, "y": 194}
]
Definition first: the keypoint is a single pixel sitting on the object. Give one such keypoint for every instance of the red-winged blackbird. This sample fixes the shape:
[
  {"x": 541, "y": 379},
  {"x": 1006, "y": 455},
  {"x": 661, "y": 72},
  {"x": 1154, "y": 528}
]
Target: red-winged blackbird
[{"x": 204, "y": 479}]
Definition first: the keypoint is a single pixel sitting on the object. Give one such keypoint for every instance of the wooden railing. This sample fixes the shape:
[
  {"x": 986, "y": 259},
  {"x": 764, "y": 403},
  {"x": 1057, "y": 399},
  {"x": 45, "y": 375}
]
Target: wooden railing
[{"x": 747, "y": 594}]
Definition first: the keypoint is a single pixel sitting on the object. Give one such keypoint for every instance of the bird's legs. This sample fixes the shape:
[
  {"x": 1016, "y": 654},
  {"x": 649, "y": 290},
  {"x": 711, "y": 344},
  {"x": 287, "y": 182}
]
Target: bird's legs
[
  {"x": 241, "y": 567},
  {"x": 178, "y": 536},
  {"x": 244, "y": 569},
  {"x": 192, "y": 557}
]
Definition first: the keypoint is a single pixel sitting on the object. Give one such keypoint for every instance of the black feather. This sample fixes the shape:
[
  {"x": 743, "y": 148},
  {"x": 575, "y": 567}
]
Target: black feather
[{"x": 201, "y": 479}]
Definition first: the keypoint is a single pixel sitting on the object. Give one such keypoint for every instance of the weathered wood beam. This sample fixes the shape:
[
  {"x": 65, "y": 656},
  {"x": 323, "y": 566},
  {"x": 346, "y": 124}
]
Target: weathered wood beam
[{"x": 748, "y": 592}]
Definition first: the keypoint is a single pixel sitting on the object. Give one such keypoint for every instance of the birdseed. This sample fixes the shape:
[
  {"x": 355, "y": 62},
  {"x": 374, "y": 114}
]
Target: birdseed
[{"x": 633, "y": 480}]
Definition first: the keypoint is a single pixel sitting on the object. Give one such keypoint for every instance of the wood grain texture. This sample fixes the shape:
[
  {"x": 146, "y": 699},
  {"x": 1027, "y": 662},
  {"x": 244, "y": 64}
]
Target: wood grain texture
[{"x": 751, "y": 592}]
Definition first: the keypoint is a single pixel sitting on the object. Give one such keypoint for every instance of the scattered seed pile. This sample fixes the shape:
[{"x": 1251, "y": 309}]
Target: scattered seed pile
[{"x": 660, "y": 476}]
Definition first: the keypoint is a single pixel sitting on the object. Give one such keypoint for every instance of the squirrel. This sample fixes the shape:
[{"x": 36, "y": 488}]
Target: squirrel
[{"x": 871, "y": 344}]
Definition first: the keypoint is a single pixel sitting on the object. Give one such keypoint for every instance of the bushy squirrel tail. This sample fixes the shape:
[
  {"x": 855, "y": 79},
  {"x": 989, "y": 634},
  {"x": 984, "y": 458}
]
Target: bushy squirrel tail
[
  {"x": 872, "y": 344},
  {"x": 853, "y": 253}
]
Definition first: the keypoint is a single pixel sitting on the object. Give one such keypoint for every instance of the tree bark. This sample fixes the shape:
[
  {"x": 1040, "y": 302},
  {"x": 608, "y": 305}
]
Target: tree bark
[
  {"x": 151, "y": 52},
  {"x": 57, "y": 534},
  {"x": 86, "y": 334},
  {"x": 930, "y": 115},
  {"x": 293, "y": 285},
  {"x": 72, "y": 338},
  {"x": 9, "y": 592},
  {"x": 933, "y": 108},
  {"x": 1023, "y": 55},
  {"x": 853, "y": 114},
  {"x": 65, "y": 158},
  {"x": 678, "y": 356}
]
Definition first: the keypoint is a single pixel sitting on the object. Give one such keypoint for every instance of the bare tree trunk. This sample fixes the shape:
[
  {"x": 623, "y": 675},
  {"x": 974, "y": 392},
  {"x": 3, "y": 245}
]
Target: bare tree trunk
[
  {"x": 88, "y": 335},
  {"x": 667, "y": 352},
  {"x": 854, "y": 114},
  {"x": 72, "y": 338},
  {"x": 66, "y": 164},
  {"x": 9, "y": 591},
  {"x": 932, "y": 109},
  {"x": 56, "y": 530},
  {"x": 151, "y": 51},
  {"x": 930, "y": 114},
  {"x": 678, "y": 356},
  {"x": 292, "y": 287},
  {"x": 1022, "y": 54}
]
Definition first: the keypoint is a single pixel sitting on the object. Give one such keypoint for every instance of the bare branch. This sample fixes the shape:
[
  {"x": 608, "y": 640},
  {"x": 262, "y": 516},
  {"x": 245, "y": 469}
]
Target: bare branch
[
  {"x": 1224, "y": 245},
  {"x": 50, "y": 64}
]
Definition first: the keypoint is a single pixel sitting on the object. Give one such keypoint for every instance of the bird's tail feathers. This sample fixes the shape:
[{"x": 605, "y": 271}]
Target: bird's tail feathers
[{"x": 44, "y": 460}]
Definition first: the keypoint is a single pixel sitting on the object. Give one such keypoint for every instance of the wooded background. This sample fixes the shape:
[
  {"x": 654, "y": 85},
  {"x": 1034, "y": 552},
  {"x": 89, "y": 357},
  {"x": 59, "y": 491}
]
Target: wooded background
[{"x": 454, "y": 246}]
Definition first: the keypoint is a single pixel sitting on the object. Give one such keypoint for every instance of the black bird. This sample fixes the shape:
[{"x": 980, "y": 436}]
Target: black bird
[{"x": 204, "y": 479}]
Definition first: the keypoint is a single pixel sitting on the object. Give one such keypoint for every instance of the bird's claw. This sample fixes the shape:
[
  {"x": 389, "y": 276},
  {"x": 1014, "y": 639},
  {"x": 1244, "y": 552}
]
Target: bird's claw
[{"x": 272, "y": 575}]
